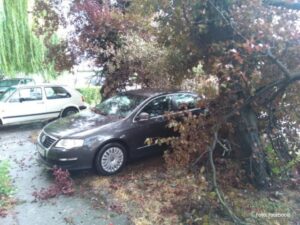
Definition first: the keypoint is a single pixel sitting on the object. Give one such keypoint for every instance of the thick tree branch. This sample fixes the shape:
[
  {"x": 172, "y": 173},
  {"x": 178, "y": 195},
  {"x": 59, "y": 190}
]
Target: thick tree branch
[
  {"x": 198, "y": 160},
  {"x": 280, "y": 84},
  {"x": 294, "y": 77},
  {"x": 282, "y": 67},
  {"x": 276, "y": 138}
]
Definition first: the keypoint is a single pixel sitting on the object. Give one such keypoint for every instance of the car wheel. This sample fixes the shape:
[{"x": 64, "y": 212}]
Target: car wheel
[
  {"x": 69, "y": 111},
  {"x": 110, "y": 159}
]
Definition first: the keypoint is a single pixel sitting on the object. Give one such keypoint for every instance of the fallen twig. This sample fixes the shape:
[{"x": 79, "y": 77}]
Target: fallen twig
[{"x": 219, "y": 193}]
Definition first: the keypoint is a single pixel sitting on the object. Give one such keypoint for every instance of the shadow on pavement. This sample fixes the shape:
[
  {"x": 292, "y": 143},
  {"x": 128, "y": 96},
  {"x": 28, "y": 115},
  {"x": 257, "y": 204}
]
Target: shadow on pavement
[{"x": 22, "y": 127}]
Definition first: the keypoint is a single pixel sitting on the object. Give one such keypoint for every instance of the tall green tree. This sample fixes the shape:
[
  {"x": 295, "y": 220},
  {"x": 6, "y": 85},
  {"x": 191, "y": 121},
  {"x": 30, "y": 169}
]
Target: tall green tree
[{"x": 21, "y": 51}]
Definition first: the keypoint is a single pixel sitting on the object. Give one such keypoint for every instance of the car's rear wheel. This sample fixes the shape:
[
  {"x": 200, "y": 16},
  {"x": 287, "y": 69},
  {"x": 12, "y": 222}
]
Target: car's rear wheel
[
  {"x": 69, "y": 112},
  {"x": 110, "y": 159}
]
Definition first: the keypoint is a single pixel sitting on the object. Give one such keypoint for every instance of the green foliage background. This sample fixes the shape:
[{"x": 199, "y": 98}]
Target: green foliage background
[
  {"x": 21, "y": 51},
  {"x": 91, "y": 95},
  {"x": 5, "y": 185}
]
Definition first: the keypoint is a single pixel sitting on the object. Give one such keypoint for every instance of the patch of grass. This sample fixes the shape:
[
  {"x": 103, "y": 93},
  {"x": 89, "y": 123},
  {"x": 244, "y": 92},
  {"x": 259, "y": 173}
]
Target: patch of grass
[
  {"x": 6, "y": 189},
  {"x": 91, "y": 95},
  {"x": 5, "y": 182}
]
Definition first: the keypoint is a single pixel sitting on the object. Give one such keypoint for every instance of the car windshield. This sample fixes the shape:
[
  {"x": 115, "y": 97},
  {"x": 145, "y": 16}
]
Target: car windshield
[
  {"x": 8, "y": 83},
  {"x": 120, "y": 105},
  {"x": 7, "y": 94}
]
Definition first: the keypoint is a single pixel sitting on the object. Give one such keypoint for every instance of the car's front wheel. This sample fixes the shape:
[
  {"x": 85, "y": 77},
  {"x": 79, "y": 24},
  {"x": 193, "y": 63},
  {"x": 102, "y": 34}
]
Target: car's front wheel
[
  {"x": 69, "y": 112},
  {"x": 110, "y": 159}
]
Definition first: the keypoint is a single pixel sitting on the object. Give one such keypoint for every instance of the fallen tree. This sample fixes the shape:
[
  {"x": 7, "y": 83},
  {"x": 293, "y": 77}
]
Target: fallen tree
[
  {"x": 251, "y": 50},
  {"x": 232, "y": 41}
]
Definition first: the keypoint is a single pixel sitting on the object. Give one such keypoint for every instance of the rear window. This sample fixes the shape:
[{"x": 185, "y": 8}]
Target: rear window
[
  {"x": 184, "y": 101},
  {"x": 56, "y": 93},
  {"x": 158, "y": 106}
]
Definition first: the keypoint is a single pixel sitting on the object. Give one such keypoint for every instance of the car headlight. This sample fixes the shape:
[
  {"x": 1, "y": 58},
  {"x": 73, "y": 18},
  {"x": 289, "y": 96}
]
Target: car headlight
[{"x": 69, "y": 143}]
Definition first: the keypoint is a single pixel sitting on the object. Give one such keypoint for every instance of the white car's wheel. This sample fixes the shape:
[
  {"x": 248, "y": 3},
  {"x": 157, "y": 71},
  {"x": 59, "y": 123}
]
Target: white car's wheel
[{"x": 69, "y": 112}]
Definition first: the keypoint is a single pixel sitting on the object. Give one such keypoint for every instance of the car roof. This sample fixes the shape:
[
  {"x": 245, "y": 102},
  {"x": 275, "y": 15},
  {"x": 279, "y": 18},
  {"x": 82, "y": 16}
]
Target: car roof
[
  {"x": 40, "y": 85},
  {"x": 17, "y": 78},
  {"x": 149, "y": 92}
]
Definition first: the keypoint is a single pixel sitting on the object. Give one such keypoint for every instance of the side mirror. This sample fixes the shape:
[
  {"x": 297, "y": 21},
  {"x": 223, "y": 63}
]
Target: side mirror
[
  {"x": 21, "y": 100},
  {"x": 143, "y": 116}
]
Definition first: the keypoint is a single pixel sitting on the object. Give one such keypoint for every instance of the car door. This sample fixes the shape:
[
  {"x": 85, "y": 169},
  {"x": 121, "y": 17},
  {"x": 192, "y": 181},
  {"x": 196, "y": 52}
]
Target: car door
[
  {"x": 26, "y": 104},
  {"x": 57, "y": 99},
  {"x": 155, "y": 127}
]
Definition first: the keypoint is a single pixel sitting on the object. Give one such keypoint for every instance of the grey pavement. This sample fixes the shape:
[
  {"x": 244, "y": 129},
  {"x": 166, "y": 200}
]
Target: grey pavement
[{"x": 17, "y": 147}]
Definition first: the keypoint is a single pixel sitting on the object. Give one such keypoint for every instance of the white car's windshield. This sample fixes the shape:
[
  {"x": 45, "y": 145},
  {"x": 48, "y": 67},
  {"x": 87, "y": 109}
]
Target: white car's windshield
[
  {"x": 7, "y": 94},
  {"x": 120, "y": 105}
]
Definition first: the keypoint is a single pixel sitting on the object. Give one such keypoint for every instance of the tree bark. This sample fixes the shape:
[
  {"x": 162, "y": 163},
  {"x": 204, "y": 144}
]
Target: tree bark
[
  {"x": 252, "y": 153},
  {"x": 276, "y": 138}
]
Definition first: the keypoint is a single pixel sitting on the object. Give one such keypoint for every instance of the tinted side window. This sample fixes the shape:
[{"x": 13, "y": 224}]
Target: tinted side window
[
  {"x": 184, "y": 101},
  {"x": 56, "y": 93},
  {"x": 158, "y": 106}
]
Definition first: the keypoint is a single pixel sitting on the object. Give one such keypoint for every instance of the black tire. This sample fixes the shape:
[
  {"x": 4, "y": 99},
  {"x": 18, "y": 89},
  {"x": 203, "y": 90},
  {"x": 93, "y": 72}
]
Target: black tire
[
  {"x": 102, "y": 164},
  {"x": 69, "y": 111}
]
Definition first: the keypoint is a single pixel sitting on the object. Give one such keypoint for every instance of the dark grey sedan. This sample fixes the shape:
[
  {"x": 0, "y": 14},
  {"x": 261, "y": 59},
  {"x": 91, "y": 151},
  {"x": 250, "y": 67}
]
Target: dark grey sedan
[{"x": 112, "y": 133}]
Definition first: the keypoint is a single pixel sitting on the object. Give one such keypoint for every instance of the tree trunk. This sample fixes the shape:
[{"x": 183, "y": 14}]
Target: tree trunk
[
  {"x": 277, "y": 139},
  {"x": 252, "y": 152}
]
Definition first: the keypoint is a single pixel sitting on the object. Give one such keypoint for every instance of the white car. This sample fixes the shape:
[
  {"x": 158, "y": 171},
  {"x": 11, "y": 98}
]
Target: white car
[{"x": 38, "y": 102}]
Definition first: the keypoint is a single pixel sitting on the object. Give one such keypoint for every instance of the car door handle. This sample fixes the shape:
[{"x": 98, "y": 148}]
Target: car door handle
[{"x": 40, "y": 103}]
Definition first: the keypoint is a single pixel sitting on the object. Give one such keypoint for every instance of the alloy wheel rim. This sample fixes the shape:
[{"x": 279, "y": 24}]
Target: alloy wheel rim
[{"x": 112, "y": 159}]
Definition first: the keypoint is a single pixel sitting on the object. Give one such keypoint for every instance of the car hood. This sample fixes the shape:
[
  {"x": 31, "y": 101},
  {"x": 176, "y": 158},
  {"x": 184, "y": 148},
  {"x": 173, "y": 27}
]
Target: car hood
[{"x": 78, "y": 124}]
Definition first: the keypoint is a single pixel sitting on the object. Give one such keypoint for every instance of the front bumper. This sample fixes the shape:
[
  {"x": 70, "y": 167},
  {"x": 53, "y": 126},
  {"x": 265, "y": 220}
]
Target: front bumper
[
  {"x": 74, "y": 159},
  {"x": 83, "y": 107}
]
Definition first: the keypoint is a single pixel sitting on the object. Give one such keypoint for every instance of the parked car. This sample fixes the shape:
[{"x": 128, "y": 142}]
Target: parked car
[
  {"x": 38, "y": 102},
  {"x": 7, "y": 83},
  {"x": 112, "y": 133}
]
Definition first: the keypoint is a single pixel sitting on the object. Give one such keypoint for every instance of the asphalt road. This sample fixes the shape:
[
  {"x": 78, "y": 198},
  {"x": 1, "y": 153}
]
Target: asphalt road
[{"x": 16, "y": 146}]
